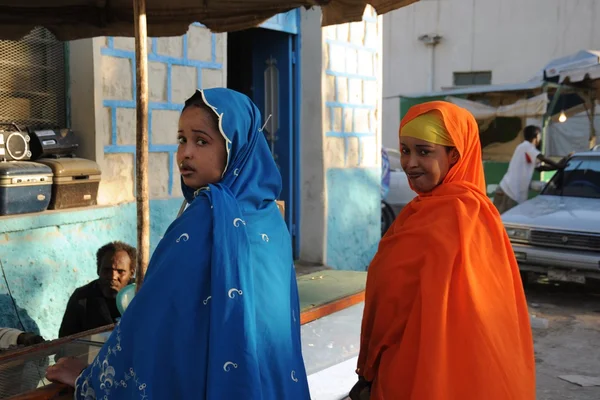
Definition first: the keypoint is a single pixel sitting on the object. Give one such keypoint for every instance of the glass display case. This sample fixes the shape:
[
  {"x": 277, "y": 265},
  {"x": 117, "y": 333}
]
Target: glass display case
[{"x": 23, "y": 370}]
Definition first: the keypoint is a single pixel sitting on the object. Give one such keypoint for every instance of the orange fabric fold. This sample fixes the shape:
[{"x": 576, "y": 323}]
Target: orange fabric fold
[{"x": 445, "y": 313}]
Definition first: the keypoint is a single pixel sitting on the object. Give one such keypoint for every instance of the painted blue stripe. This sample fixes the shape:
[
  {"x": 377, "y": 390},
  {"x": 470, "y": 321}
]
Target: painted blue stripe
[
  {"x": 185, "y": 47},
  {"x": 350, "y": 134},
  {"x": 163, "y": 59},
  {"x": 151, "y": 106},
  {"x": 113, "y": 122},
  {"x": 153, "y": 148},
  {"x": 134, "y": 78},
  {"x": 171, "y": 156},
  {"x": 169, "y": 82},
  {"x": 348, "y": 105},
  {"x": 197, "y": 24},
  {"x": 333, "y": 42},
  {"x": 213, "y": 47},
  {"x": 111, "y": 42},
  {"x": 351, "y": 76},
  {"x": 154, "y": 47},
  {"x": 150, "y": 127}
]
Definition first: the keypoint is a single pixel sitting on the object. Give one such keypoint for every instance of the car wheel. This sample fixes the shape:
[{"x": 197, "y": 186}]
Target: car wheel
[{"x": 387, "y": 217}]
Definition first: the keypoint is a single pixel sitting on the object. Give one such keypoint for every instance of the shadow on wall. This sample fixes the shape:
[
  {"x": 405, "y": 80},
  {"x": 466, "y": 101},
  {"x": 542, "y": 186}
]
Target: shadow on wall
[
  {"x": 12, "y": 316},
  {"x": 353, "y": 218}
]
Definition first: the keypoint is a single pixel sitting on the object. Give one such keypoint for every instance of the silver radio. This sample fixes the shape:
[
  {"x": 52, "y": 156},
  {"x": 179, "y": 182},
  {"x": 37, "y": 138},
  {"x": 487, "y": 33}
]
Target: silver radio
[{"x": 14, "y": 144}]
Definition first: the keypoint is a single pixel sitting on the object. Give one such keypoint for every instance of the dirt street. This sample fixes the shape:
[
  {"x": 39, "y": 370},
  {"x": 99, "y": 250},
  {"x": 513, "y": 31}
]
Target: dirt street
[{"x": 570, "y": 344}]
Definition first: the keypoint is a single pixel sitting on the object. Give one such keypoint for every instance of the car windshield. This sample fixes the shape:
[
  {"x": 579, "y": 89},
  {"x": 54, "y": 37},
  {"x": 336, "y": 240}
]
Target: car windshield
[{"x": 580, "y": 178}]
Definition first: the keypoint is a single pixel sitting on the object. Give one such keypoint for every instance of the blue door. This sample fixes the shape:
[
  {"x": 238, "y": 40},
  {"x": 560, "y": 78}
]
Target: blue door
[{"x": 273, "y": 81}]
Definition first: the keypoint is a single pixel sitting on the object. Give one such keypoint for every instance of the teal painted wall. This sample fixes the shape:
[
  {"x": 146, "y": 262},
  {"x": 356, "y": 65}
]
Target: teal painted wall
[
  {"x": 46, "y": 256},
  {"x": 353, "y": 217}
]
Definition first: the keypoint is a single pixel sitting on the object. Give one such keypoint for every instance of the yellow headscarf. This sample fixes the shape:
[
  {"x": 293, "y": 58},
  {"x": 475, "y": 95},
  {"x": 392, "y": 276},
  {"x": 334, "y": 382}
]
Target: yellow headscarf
[{"x": 428, "y": 127}]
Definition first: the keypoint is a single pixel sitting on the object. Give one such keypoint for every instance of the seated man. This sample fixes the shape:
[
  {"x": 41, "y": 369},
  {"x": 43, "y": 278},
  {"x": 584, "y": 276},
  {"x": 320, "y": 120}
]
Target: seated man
[{"x": 94, "y": 305}]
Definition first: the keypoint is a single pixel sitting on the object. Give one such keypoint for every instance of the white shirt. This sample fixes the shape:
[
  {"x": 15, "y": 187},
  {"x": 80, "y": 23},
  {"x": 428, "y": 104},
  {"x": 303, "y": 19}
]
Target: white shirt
[{"x": 517, "y": 179}]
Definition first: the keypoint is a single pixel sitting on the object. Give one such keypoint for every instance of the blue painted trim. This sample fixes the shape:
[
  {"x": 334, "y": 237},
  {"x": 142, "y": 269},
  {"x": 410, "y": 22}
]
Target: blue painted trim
[
  {"x": 149, "y": 128},
  {"x": 213, "y": 47},
  {"x": 349, "y": 105},
  {"x": 162, "y": 59},
  {"x": 169, "y": 81},
  {"x": 351, "y": 76},
  {"x": 153, "y": 48},
  {"x": 113, "y": 123},
  {"x": 185, "y": 47},
  {"x": 151, "y": 105},
  {"x": 153, "y": 148},
  {"x": 110, "y": 43},
  {"x": 197, "y": 24},
  {"x": 288, "y": 22},
  {"x": 349, "y": 134},
  {"x": 333, "y": 42}
]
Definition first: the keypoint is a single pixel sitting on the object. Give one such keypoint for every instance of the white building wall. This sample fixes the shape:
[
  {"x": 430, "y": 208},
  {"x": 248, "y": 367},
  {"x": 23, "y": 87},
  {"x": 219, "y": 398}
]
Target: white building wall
[{"x": 512, "y": 38}]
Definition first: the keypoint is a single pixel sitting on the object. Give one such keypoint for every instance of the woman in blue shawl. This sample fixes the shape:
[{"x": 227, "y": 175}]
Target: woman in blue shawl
[{"x": 218, "y": 316}]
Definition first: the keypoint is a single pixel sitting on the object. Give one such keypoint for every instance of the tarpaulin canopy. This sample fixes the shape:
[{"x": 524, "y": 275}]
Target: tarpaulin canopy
[
  {"x": 75, "y": 19},
  {"x": 581, "y": 59},
  {"x": 523, "y": 108}
]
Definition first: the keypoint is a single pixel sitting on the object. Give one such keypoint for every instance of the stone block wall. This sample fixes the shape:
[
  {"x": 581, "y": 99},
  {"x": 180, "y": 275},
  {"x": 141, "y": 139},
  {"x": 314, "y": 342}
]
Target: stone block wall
[
  {"x": 352, "y": 140},
  {"x": 352, "y": 62},
  {"x": 176, "y": 67}
]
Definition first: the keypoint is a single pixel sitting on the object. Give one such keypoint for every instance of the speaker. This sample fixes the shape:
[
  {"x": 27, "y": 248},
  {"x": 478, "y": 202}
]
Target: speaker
[
  {"x": 14, "y": 144},
  {"x": 52, "y": 143}
]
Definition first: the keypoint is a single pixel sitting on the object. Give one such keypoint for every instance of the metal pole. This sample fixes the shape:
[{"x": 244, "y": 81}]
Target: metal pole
[{"x": 141, "y": 140}]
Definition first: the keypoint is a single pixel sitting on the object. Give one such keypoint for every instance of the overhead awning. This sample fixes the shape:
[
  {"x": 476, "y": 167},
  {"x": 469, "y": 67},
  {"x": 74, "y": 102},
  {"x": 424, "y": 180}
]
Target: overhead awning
[
  {"x": 580, "y": 74},
  {"x": 533, "y": 85},
  {"x": 75, "y": 19},
  {"x": 525, "y": 108},
  {"x": 581, "y": 59}
]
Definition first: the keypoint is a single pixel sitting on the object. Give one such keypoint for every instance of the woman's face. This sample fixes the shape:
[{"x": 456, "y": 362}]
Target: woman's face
[
  {"x": 201, "y": 155},
  {"x": 426, "y": 164}
]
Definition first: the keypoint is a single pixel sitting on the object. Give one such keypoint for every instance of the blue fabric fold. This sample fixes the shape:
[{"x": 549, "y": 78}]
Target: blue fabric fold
[{"x": 218, "y": 314}]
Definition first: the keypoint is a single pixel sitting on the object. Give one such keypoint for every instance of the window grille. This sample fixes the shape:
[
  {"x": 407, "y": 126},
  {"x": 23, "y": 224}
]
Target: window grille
[{"x": 32, "y": 81}]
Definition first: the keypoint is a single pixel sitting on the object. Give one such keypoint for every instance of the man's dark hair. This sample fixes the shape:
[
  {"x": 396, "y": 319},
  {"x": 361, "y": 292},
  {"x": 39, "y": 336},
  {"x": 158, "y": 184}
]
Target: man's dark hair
[
  {"x": 531, "y": 132},
  {"x": 110, "y": 249}
]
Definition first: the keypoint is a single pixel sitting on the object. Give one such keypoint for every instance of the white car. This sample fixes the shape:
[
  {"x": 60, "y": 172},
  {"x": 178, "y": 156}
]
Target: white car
[
  {"x": 399, "y": 194},
  {"x": 557, "y": 233}
]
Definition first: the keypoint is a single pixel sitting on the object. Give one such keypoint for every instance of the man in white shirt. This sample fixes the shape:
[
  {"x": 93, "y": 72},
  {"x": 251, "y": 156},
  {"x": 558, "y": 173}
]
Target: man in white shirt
[{"x": 514, "y": 186}]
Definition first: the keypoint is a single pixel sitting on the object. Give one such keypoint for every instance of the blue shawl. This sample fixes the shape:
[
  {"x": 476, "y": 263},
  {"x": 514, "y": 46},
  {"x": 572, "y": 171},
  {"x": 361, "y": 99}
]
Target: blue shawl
[{"x": 217, "y": 317}]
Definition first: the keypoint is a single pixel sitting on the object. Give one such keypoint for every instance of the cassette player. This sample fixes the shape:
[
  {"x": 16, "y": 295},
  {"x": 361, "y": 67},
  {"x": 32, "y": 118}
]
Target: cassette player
[
  {"x": 52, "y": 143},
  {"x": 14, "y": 143}
]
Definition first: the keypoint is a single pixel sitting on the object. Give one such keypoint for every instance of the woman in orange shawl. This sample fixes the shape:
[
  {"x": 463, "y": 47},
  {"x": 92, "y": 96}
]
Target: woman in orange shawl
[{"x": 445, "y": 313}]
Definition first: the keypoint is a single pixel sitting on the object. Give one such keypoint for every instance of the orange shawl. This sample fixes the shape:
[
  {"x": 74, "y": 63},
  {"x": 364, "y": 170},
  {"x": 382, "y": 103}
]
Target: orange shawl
[{"x": 445, "y": 313}]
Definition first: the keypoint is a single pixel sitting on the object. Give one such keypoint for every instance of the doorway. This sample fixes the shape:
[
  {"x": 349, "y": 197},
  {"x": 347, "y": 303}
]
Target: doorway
[{"x": 261, "y": 64}]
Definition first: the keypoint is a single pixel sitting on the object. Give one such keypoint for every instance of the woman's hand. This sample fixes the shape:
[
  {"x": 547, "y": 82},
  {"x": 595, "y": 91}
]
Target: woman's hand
[{"x": 66, "y": 371}]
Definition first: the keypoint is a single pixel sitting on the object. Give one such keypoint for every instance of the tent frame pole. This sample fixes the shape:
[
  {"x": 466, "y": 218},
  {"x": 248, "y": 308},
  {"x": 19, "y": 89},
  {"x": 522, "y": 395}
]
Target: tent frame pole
[{"x": 141, "y": 140}]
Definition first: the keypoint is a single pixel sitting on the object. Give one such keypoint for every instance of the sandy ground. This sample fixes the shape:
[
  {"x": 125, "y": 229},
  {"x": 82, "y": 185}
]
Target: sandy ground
[{"x": 570, "y": 344}]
